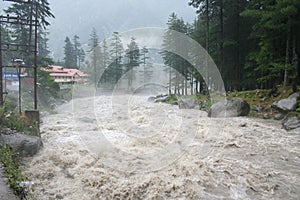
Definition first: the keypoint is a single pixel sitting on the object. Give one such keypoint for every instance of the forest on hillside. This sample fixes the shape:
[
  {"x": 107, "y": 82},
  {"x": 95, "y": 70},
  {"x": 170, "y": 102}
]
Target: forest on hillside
[{"x": 254, "y": 43}]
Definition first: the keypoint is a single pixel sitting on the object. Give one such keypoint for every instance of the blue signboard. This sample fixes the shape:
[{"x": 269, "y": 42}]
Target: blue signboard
[{"x": 10, "y": 76}]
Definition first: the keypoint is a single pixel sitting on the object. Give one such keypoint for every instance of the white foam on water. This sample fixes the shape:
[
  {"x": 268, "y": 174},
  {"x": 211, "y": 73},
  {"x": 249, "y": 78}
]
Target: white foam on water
[{"x": 126, "y": 147}]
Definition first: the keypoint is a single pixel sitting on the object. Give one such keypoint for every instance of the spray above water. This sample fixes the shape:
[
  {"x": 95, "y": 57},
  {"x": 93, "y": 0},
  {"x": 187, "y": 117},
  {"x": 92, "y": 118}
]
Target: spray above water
[{"x": 131, "y": 134}]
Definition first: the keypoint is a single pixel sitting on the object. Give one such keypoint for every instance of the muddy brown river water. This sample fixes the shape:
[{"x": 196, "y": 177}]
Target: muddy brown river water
[{"x": 123, "y": 147}]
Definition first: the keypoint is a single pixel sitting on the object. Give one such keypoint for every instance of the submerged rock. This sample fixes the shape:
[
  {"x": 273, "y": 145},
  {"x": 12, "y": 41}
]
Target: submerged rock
[
  {"x": 291, "y": 122},
  {"x": 229, "y": 108},
  {"x": 288, "y": 104},
  {"x": 151, "y": 99},
  {"x": 189, "y": 103},
  {"x": 26, "y": 145}
]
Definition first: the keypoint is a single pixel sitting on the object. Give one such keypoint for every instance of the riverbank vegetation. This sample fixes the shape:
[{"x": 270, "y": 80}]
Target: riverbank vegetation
[{"x": 11, "y": 161}]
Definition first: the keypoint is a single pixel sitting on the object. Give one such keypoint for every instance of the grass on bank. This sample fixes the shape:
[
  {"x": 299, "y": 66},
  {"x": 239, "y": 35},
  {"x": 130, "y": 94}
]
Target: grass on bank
[
  {"x": 11, "y": 161},
  {"x": 256, "y": 98}
]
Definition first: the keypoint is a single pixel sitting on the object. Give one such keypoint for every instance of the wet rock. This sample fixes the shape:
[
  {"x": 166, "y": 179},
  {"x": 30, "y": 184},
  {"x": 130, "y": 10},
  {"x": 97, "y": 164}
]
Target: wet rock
[
  {"x": 26, "y": 145},
  {"x": 161, "y": 99},
  {"x": 291, "y": 122},
  {"x": 258, "y": 109},
  {"x": 151, "y": 99},
  {"x": 243, "y": 125},
  {"x": 266, "y": 116},
  {"x": 175, "y": 103},
  {"x": 7, "y": 131},
  {"x": 189, "y": 103},
  {"x": 59, "y": 196},
  {"x": 288, "y": 104},
  {"x": 230, "y": 108},
  {"x": 279, "y": 116}
]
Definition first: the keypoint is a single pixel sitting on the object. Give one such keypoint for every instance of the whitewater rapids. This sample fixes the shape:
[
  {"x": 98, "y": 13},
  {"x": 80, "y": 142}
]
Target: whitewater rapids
[{"x": 124, "y": 147}]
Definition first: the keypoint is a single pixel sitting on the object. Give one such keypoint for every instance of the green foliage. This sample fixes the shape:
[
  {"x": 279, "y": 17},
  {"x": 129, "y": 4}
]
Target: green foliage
[
  {"x": 11, "y": 160},
  {"x": 254, "y": 43},
  {"x": 74, "y": 55},
  {"x": 275, "y": 28},
  {"x": 178, "y": 68},
  {"x": 70, "y": 55},
  {"x": 172, "y": 98},
  {"x": 133, "y": 60},
  {"x": 298, "y": 107},
  {"x": 205, "y": 100},
  {"x": 21, "y": 34},
  {"x": 17, "y": 122},
  {"x": 47, "y": 84},
  {"x": 8, "y": 117},
  {"x": 161, "y": 95}
]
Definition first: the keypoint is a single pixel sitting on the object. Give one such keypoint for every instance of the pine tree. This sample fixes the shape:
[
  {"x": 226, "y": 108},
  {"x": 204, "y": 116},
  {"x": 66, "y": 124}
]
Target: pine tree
[
  {"x": 277, "y": 29},
  {"x": 116, "y": 53},
  {"x": 23, "y": 34},
  {"x": 178, "y": 68},
  {"x": 147, "y": 71},
  {"x": 95, "y": 55},
  {"x": 81, "y": 57},
  {"x": 133, "y": 60},
  {"x": 78, "y": 51},
  {"x": 69, "y": 59},
  {"x": 104, "y": 79},
  {"x": 229, "y": 39}
]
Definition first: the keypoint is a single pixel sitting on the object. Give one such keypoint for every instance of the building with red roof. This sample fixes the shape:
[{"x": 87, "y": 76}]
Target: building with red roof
[{"x": 65, "y": 75}]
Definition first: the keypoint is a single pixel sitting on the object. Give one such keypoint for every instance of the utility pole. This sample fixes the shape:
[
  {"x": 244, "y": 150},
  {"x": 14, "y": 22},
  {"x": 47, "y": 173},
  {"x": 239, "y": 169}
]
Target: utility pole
[
  {"x": 35, "y": 54},
  {"x": 28, "y": 48},
  {"x": 1, "y": 71}
]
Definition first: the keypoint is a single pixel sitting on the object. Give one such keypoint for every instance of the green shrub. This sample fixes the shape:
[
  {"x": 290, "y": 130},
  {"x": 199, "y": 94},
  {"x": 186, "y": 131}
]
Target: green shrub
[
  {"x": 11, "y": 161},
  {"x": 172, "y": 98},
  {"x": 17, "y": 122}
]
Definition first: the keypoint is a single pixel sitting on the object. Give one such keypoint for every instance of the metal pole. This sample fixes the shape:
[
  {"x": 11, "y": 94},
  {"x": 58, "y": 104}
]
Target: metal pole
[
  {"x": 20, "y": 93},
  {"x": 35, "y": 55},
  {"x": 1, "y": 84}
]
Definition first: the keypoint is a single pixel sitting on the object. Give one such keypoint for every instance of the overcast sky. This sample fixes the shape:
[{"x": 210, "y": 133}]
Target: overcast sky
[{"x": 80, "y": 16}]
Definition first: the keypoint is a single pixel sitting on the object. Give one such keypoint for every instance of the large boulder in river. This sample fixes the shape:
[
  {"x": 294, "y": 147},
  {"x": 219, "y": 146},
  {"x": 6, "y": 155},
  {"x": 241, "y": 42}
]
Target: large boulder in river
[
  {"x": 189, "y": 103},
  {"x": 288, "y": 104},
  {"x": 230, "y": 108},
  {"x": 26, "y": 145},
  {"x": 291, "y": 122}
]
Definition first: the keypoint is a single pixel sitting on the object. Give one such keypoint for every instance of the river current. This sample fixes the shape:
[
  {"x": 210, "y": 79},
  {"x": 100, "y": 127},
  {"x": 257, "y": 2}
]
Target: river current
[{"x": 124, "y": 147}]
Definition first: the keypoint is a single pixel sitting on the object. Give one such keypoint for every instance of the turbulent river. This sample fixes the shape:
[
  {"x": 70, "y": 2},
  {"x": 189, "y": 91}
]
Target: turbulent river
[{"x": 124, "y": 147}]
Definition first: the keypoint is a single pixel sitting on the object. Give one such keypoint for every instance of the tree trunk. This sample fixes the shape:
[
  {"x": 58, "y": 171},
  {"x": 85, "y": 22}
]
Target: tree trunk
[
  {"x": 237, "y": 58},
  {"x": 192, "y": 84},
  {"x": 221, "y": 59},
  {"x": 287, "y": 55},
  {"x": 207, "y": 44},
  {"x": 170, "y": 81}
]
